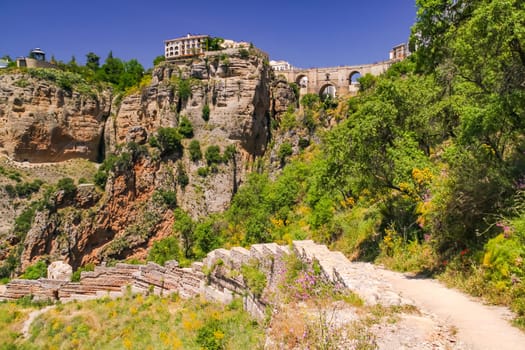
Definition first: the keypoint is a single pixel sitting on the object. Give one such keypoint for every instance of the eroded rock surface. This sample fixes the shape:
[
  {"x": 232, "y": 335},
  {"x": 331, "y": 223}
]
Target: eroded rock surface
[{"x": 41, "y": 122}]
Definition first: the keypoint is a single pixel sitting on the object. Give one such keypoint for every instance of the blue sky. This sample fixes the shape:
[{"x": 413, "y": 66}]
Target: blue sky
[{"x": 305, "y": 33}]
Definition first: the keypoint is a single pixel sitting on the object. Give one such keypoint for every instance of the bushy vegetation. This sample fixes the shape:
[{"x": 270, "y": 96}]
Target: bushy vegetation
[
  {"x": 164, "y": 250},
  {"x": 23, "y": 189},
  {"x": 169, "y": 141},
  {"x": 185, "y": 128},
  {"x": 35, "y": 271},
  {"x": 423, "y": 167},
  {"x": 121, "y": 75},
  {"x": 67, "y": 185},
  {"x": 195, "y": 150},
  {"x": 133, "y": 322},
  {"x": 213, "y": 155},
  {"x": 206, "y": 112},
  {"x": 75, "y": 277}
]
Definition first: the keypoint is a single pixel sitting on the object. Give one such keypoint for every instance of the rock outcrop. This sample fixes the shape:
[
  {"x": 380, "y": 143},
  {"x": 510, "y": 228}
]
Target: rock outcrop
[{"x": 41, "y": 122}]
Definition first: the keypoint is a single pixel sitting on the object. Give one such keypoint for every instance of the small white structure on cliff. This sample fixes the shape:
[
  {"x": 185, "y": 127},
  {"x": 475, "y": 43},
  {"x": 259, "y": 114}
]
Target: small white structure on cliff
[{"x": 36, "y": 59}]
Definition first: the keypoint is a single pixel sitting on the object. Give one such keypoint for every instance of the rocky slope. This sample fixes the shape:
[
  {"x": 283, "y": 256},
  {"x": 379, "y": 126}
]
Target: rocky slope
[{"x": 44, "y": 123}]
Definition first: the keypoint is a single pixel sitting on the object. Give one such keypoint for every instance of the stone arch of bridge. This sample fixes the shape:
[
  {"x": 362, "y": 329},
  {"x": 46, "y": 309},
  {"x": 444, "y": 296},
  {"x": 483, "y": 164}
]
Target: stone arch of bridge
[
  {"x": 354, "y": 75},
  {"x": 302, "y": 80},
  {"x": 327, "y": 89}
]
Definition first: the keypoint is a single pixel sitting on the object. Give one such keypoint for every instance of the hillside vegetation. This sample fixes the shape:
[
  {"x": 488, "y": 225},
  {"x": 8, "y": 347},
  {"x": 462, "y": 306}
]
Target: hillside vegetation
[{"x": 423, "y": 170}]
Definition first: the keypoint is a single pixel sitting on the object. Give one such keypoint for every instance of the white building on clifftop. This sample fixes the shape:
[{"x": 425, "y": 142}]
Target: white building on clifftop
[{"x": 189, "y": 45}]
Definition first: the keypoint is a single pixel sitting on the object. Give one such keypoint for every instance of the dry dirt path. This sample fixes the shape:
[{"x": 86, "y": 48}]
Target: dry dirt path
[{"x": 479, "y": 327}]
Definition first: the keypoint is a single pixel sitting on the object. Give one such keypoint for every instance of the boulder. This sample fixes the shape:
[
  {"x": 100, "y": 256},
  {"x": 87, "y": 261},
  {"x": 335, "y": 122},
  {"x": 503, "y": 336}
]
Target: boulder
[{"x": 59, "y": 270}]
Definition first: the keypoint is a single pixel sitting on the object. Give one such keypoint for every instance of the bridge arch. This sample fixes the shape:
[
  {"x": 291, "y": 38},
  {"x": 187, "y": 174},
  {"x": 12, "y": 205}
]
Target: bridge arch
[
  {"x": 302, "y": 80},
  {"x": 354, "y": 75},
  {"x": 326, "y": 90}
]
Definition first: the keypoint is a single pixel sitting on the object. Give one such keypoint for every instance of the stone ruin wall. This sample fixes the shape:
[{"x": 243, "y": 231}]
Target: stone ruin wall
[
  {"x": 216, "y": 278},
  {"x": 212, "y": 278}
]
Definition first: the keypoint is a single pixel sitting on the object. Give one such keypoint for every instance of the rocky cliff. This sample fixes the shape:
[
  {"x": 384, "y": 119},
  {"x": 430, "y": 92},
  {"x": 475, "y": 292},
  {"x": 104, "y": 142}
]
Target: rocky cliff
[
  {"x": 42, "y": 122},
  {"x": 126, "y": 213}
]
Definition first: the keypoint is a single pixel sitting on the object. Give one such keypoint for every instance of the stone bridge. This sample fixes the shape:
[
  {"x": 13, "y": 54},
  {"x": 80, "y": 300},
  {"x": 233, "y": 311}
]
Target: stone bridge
[{"x": 334, "y": 81}]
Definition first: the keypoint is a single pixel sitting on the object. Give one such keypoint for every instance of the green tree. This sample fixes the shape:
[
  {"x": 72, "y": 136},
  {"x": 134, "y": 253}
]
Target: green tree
[
  {"x": 92, "y": 61},
  {"x": 185, "y": 127},
  {"x": 169, "y": 141},
  {"x": 184, "y": 226},
  {"x": 132, "y": 75},
  {"x": 310, "y": 100},
  {"x": 182, "y": 177},
  {"x": 112, "y": 70},
  {"x": 67, "y": 185},
  {"x": 213, "y": 43},
  {"x": 158, "y": 60},
  {"x": 207, "y": 237}
]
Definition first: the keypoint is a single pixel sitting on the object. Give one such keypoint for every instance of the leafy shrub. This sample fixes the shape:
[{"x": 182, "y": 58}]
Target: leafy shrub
[
  {"x": 67, "y": 185},
  {"x": 254, "y": 278},
  {"x": 206, "y": 237},
  {"x": 23, "y": 190},
  {"x": 288, "y": 120},
  {"x": 310, "y": 100},
  {"x": 211, "y": 335},
  {"x": 213, "y": 155},
  {"x": 169, "y": 141},
  {"x": 182, "y": 177},
  {"x": 184, "y": 88},
  {"x": 243, "y": 53},
  {"x": 206, "y": 112},
  {"x": 185, "y": 128},
  {"x": 195, "y": 150},
  {"x": 15, "y": 176},
  {"x": 24, "y": 221},
  {"x": 158, "y": 60},
  {"x": 35, "y": 271},
  {"x": 75, "y": 277},
  {"x": 229, "y": 153},
  {"x": 101, "y": 176},
  {"x": 285, "y": 150},
  {"x": 164, "y": 250},
  {"x": 309, "y": 121},
  {"x": 203, "y": 171},
  {"x": 303, "y": 143},
  {"x": 26, "y": 189},
  {"x": 153, "y": 141},
  {"x": 166, "y": 197}
]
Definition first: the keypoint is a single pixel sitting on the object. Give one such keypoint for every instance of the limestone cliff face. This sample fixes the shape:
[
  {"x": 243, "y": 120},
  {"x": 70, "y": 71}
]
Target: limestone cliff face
[
  {"x": 235, "y": 87},
  {"x": 40, "y": 122},
  {"x": 130, "y": 214}
]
